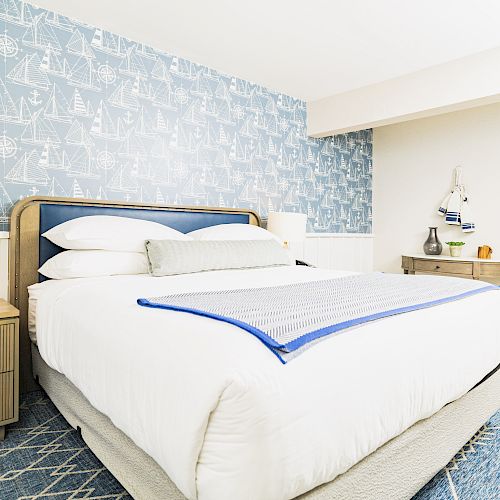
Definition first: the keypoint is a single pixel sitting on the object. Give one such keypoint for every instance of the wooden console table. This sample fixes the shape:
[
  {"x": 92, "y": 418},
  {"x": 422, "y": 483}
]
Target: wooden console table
[{"x": 466, "y": 267}]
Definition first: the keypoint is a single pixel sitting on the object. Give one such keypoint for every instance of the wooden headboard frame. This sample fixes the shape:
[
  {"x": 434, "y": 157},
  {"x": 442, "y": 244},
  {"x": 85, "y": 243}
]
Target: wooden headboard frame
[{"x": 24, "y": 257}]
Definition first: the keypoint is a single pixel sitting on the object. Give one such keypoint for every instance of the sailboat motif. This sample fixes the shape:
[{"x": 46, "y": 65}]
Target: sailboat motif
[
  {"x": 107, "y": 42},
  {"x": 52, "y": 64},
  {"x": 132, "y": 65},
  {"x": 239, "y": 87},
  {"x": 143, "y": 124},
  {"x": 56, "y": 106},
  {"x": 103, "y": 125},
  {"x": 28, "y": 171},
  {"x": 248, "y": 128},
  {"x": 209, "y": 140},
  {"x": 291, "y": 198},
  {"x": 145, "y": 51},
  {"x": 181, "y": 139},
  {"x": 123, "y": 180},
  {"x": 28, "y": 72},
  {"x": 76, "y": 190},
  {"x": 17, "y": 12},
  {"x": 183, "y": 68},
  {"x": 193, "y": 114},
  {"x": 55, "y": 189},
  {"x": 83, "y": 75},
  {"x": 52, "y": 159},
  {"x": 82, "y": 164},
  {"x": 163, "y": 96},
  {"x": 132, "y": 147},
  {"x": 124, "y": 97},
  {"x": 59, "y": 21},
  {"x": 78, "y": 135},
  {"x": 79, "y": 45},
  {"x": 223, "y": 137},
  {"x": 39, "y": 130},
  {"x": 297, "y": 116},
  {"x": 237, "y": 151},
  {"x": 5, "y": 205},
  {"x": 201, "y": 86},
  {"x": 224, "y": 112},
  {"x": 41, "y": 35},
  {"x": 77, "y": 106},
  {"x": 8, "y": 109},
  {"x": 192, "y": 190},
  {"x": 24, "y": 115},
  {"x": 160, "y": 71},
  {"x": 141, "y": 88},
  {"x": 161, "y": 124}
]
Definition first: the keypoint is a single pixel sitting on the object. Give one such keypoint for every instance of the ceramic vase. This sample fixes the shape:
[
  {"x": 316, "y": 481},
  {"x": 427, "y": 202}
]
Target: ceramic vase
[{"x": 432, "y": 245}]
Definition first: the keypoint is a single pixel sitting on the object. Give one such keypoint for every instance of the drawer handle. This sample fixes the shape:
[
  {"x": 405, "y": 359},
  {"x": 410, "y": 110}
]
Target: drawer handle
[{"x": 437, "y": 267}]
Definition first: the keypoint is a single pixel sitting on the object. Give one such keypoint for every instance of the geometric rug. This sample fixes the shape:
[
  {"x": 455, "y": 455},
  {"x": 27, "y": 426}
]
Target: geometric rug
[{"x": 43, "y": 457}]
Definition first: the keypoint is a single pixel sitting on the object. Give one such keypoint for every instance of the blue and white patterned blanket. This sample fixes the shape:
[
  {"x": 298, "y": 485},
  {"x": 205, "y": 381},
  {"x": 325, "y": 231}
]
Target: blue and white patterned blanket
[{"x": 289, "y": 318}]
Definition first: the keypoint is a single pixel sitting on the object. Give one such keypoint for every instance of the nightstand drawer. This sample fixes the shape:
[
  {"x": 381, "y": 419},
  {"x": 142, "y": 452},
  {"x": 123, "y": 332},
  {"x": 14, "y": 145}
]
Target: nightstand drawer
[
  {"x": 490, "y": 269},
  {"x": 7, "y": 350},
  {"x": 444, "y": 266},
  {"x": 6, "y": 396}
]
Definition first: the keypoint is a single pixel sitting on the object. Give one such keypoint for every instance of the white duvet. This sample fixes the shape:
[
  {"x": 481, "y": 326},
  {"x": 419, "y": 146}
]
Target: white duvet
[{"x": 219, "y": 412}]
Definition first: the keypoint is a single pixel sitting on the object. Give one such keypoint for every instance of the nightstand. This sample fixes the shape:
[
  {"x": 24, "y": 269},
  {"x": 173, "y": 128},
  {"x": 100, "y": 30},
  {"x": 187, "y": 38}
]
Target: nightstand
[
  {"x": 9, "y": 365},
  {"x": 465, "y": 267}
]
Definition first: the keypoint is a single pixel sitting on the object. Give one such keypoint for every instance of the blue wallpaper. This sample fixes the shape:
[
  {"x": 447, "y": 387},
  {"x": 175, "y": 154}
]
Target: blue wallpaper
[{"x": 87, "y": 113}]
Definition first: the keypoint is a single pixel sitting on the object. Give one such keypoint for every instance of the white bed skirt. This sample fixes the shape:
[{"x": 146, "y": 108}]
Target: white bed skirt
[{"x": 396, "y": 471}]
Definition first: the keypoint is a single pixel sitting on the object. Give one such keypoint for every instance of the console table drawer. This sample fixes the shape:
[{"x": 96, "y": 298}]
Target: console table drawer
[
  {"x": 490, "y": 270},
  {"x": 438, "y": 266}
]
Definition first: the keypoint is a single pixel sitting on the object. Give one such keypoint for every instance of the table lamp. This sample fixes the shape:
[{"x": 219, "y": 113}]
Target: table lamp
[{"x": 288, "y": 226}]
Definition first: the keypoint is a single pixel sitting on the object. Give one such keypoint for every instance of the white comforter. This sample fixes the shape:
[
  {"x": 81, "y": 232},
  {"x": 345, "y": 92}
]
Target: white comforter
[{"x": 219, "y": 412}]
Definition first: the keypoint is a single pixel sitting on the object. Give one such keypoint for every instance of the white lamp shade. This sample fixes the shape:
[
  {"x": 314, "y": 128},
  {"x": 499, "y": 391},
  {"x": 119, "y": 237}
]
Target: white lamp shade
[{"x": 288, "y": 226}]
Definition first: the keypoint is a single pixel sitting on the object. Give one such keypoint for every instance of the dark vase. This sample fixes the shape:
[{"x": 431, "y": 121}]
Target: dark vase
[{"x": 432, "y": 245}]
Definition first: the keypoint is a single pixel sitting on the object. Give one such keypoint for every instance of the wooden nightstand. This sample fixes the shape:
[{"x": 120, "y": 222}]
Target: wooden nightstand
[
  {"x": 465, "y": 267},
  {"x": 9, "y": 365}
]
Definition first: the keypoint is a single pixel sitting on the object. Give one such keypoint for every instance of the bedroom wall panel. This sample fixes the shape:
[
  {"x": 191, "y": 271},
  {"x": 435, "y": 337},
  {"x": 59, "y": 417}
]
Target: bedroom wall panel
[
  {"x": 89, "y": 113},
  {"x": 414, "y": 163}
]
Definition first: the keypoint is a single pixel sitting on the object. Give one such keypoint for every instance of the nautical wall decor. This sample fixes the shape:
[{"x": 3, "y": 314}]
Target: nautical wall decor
[{"x": 87, "y": 113}]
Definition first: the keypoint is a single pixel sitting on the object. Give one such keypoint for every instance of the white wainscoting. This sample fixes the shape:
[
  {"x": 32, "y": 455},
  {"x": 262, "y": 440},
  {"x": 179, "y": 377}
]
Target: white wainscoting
[{"x": 348, "y": 252}]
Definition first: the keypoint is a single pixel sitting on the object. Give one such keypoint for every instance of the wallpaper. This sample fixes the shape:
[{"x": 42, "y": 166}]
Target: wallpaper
[{"x": 87, "y": 113}]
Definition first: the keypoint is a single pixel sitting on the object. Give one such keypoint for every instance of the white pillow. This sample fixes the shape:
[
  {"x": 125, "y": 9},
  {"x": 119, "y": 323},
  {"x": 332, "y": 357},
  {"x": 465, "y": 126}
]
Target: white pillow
[
  {"x": 233, "y": 232},
  {"x": 107, "y": 232},
  {"x": 92, "y": 263}
]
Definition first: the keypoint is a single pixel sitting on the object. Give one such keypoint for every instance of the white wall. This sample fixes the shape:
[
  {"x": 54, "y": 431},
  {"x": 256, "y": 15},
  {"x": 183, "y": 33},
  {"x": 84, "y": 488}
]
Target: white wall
[
  {"x": 413, "y": 166},
  {"x": 346, "y": 252},
  {"x": 459, "y": 84}
]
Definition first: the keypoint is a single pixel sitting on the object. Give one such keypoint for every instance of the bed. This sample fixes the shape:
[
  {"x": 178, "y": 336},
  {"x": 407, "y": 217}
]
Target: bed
[{"x": 173, "y": 413}]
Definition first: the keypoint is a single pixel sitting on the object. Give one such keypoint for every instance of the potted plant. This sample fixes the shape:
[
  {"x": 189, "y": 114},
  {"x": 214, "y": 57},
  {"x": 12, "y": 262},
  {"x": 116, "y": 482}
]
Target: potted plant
[{"x": 455, "y": 248}]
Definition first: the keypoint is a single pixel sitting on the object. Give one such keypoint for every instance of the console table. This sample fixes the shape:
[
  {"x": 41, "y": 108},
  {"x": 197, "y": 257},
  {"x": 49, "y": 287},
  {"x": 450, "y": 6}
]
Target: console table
[{"x": 466, "y": 267}]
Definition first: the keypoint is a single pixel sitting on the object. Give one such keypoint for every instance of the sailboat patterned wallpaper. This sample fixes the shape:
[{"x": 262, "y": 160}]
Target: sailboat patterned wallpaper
[{"x": 87, "y": 113}]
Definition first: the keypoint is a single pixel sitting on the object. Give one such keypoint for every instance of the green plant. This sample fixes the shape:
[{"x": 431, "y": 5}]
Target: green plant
[{"x": 456, "y": 243}]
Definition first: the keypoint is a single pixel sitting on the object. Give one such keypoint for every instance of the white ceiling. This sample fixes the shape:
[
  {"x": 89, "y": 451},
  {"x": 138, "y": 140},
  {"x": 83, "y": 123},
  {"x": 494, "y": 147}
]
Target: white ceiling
[{"x": 307, "y": 49}]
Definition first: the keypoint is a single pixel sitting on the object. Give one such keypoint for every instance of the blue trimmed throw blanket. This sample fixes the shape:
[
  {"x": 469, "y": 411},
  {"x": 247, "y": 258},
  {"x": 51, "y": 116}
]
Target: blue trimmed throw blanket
[{"x": 290, "y": 318}]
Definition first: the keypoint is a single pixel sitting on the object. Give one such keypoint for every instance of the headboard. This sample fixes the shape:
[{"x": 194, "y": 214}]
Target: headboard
[{"x": 36, "y": 214}]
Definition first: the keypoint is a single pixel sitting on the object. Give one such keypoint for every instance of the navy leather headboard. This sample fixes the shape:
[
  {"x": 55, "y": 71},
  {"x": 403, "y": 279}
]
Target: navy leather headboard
[{"x": 183, "y": 220}]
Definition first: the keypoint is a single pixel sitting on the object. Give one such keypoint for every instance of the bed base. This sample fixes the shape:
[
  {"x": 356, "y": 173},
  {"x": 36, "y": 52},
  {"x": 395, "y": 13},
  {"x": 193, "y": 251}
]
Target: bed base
[{"x": 396, "y": 471}]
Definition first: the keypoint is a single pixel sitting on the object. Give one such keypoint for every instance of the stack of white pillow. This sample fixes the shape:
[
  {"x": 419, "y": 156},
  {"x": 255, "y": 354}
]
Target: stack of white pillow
[{"x": 103, "y": 245}]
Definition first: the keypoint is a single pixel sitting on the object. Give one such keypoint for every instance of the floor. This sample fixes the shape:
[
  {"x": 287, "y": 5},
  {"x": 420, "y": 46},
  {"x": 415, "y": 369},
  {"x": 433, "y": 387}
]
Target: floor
[{"x": 42, "y": 457}]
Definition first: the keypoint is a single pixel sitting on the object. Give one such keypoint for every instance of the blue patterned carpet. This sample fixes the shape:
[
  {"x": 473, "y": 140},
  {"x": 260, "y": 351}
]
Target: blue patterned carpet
[{"x": 42, "y": 457}]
